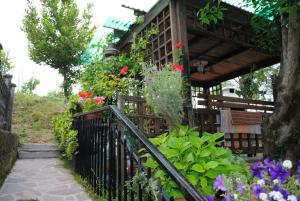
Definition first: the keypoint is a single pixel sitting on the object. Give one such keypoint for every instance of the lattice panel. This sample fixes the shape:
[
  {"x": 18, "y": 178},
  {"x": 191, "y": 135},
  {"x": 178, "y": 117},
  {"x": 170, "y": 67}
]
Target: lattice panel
[{"x": 161, "y": 45}]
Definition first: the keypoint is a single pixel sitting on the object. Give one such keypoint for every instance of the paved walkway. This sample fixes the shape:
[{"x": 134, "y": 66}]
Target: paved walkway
[{"x": 41, "y": 179}]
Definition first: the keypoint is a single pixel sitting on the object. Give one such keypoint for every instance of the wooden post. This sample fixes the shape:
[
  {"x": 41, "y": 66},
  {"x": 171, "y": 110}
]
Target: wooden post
[{"x": 179, "y": 34}]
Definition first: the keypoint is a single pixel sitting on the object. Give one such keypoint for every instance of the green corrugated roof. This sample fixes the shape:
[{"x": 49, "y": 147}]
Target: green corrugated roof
[{"x": 115, "y": 23}]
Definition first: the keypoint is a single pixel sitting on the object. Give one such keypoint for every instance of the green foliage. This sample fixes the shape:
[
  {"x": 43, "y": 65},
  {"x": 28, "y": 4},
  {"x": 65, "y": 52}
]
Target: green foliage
[
  {"x": 64, "y": 135},
  {"x": 140, "y": 47},
  {"x": 251, "y": 85},
  {"x": 163, "y": 92},
  {"x": 149, "y": 186},
  {"x": 211, "y": 13},
  {"x": 32, "y": 116},
  {"x": 58, "y": 34},
  {"x": 197, "y": 158},
  {"x": 5, "y": 64},
  {"x": 29, "y": 86}
]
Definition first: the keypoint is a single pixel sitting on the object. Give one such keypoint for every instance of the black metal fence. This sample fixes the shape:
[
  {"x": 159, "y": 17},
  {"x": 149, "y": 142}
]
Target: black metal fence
[
  {"x": 6, "y": 101},
  {"x": 108, "y": 158}
]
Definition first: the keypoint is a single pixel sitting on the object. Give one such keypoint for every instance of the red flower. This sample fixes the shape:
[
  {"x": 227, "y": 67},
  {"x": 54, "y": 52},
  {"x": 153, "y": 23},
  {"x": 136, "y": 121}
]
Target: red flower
[
  {"x": 177, "y": 67},
  {"x": 98, "y": 100},
  {"x": 124, "y": 70},
  {"x": 81, "y": 94},
  {"x": 178, "y": 45},
  {"x": 89, "y": 94}
]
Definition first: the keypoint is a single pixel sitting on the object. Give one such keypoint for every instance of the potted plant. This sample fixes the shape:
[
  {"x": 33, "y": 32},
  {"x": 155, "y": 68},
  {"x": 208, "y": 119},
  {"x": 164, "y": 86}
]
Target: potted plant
[{"x": 89, "y": 103}]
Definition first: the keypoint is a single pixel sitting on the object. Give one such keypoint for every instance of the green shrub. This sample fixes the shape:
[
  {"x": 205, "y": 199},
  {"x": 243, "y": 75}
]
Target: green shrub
[
  {"x": 64, "y": 135},
  {"x": 197, "y": 158},
  {"x": 163, "y": 92}
]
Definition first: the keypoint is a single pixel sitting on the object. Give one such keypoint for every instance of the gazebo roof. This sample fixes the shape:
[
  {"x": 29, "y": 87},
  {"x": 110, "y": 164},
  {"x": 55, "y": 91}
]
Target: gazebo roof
[{"x": 215, "y": 53}]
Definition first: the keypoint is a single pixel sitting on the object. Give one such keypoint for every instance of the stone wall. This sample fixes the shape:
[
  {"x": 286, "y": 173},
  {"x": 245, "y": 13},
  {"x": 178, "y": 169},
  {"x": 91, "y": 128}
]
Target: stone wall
[{"x": 8, "y": 153}]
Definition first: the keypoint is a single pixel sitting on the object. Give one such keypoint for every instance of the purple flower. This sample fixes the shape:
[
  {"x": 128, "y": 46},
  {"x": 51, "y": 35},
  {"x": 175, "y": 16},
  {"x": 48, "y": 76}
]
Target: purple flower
[
  {"x": 278, "y": 172},
  {"x": 298, "y": 171},
  {"x": 269, "y": 163},
  {"x": 240, "y": 187},
  {"x": 256, "y": 170},
  {"x": 284, "y": 193},
  {"x": 210, "y": 198},
  {"x": 218, "y": 184},
  {"x": 227, "y": 198},
  {"x": 257, "y": 189}
]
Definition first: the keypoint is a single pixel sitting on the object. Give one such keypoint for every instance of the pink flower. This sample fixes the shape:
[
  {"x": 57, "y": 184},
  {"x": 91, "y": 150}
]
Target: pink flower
[
  {"x": 99, "y": 100},
  {"x": 88, "y": 100},
  {"x": 80, "y": 99}
]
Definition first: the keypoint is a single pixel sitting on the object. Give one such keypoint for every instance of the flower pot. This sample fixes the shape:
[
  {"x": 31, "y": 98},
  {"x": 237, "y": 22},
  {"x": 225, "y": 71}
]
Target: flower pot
[{"x": 91, "y": 116}]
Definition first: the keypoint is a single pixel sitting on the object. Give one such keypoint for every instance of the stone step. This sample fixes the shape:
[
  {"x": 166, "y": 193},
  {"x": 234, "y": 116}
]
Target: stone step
[{"x": 35, "y": 151}]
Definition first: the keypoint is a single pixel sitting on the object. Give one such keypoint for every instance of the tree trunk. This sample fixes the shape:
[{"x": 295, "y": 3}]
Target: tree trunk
[
  {"x": 66, "y": 87},
  {"x": 282, "y": 137}
]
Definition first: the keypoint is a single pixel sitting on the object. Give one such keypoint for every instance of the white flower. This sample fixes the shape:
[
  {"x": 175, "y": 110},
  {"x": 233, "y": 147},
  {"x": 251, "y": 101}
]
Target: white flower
[
  {"x": 292, "y": 198},
  {"x": 276, "y": 181},
  {"x": 276, "y": 195},
  {"x": 287, "y": 164},
  {"x": 263, "y": 196},
  {"x": 261, "y": 182},
  {"x": 235, "y": 196}
]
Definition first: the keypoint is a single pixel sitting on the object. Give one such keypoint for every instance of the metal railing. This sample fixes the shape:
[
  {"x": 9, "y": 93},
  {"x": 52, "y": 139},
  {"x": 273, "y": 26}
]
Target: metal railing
[{"x": 108, "y": 157}]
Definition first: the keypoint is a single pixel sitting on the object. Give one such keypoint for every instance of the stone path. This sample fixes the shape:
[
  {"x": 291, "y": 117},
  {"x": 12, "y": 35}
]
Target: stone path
[{"x": 41, "y": 179}]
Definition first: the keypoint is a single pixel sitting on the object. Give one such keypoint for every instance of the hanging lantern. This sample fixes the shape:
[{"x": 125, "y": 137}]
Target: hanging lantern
[{"x": 111, "y": 51}]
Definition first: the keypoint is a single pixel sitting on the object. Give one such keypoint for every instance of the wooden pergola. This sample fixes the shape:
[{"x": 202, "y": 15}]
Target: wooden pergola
[{"x": 212, "y": 54}]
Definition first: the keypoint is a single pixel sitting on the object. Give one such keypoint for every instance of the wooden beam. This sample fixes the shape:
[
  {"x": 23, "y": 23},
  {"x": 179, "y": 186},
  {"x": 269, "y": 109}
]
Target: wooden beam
[
  {"x": 244, "y": 71},
  {"x": 151, "y": 14},
  {"x": 207, "y": 49},
  {"x": 229, "y": 55}
]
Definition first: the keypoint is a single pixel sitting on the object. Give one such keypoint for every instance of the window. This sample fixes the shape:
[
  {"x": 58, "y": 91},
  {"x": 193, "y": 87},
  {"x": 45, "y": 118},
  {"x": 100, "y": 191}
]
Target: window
[{"x": 231, "y": 91}]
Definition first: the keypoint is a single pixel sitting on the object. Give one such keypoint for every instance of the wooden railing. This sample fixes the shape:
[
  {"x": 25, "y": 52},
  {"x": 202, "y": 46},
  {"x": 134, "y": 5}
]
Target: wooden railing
[
  {"x": 138, "y": 112},
  {"x": 204, "y": 118},
  {"x": 224, "y": 102},
  {"x": 6, "y": 101}
]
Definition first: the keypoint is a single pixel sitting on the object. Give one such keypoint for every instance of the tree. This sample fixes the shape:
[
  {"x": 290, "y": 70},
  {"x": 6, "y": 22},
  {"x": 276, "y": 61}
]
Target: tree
[
  {"x": 29, "y": 86},
  {"x": 282, "y": 135},
  {"x": 256, "y": 84},
  {"x": 58, "y": 35},
  {"x": 5, "y": 64}
]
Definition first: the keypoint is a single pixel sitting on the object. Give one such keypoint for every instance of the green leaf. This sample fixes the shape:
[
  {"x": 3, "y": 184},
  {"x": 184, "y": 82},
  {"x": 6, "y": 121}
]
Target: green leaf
[
  {"x": 198, "y": 168},
  {"x": 211, "y": 165},
  {"x": 159, "y": 174},
  {"x": 193, "y": 179},
  {"x": 180, "y": 165},
  {"x": 203, "y": 182},
  {"x": 203, "y": 153},
  {"x": 151, "y": 163},
  {"x": 190, "y": 157},
  {"x": 212, "y": 173}
]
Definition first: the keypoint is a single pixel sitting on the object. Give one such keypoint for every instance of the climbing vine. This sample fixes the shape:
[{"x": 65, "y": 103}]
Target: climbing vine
[{"x": 211, "y": 13}]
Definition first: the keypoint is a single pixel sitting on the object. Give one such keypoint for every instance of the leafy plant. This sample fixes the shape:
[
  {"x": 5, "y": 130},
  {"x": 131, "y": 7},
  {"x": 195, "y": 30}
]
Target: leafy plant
[
  {"x": 211, "y": 13},
  {"x": 64, "y": 135},
  {"x": 163, "y": 92},
  {"x": 140, "y": 181},
  {"x": 5, "y": 64},
  {"x": 29, "y": 86},
  {"x": 197, "y": 158}
]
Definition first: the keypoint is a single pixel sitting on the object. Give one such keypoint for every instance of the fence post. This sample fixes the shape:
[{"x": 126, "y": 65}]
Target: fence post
[{"x": 10, "y": 99}]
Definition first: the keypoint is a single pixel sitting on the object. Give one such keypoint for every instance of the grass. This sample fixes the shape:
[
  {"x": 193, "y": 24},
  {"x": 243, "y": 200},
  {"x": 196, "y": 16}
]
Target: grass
[{"x": 32, "y": 116}]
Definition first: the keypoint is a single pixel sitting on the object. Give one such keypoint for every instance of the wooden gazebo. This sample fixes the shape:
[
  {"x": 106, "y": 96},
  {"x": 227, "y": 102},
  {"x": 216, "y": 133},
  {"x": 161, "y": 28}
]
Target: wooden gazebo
[{"x": 212, "y": 54}]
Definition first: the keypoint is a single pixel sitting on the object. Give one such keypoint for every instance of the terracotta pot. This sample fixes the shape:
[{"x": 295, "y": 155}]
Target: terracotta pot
[{"x": 91, "y": 116}]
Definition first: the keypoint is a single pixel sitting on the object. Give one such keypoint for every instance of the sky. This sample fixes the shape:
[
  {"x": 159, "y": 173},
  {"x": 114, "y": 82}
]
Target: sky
[{"x": 14, "y": 39}]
